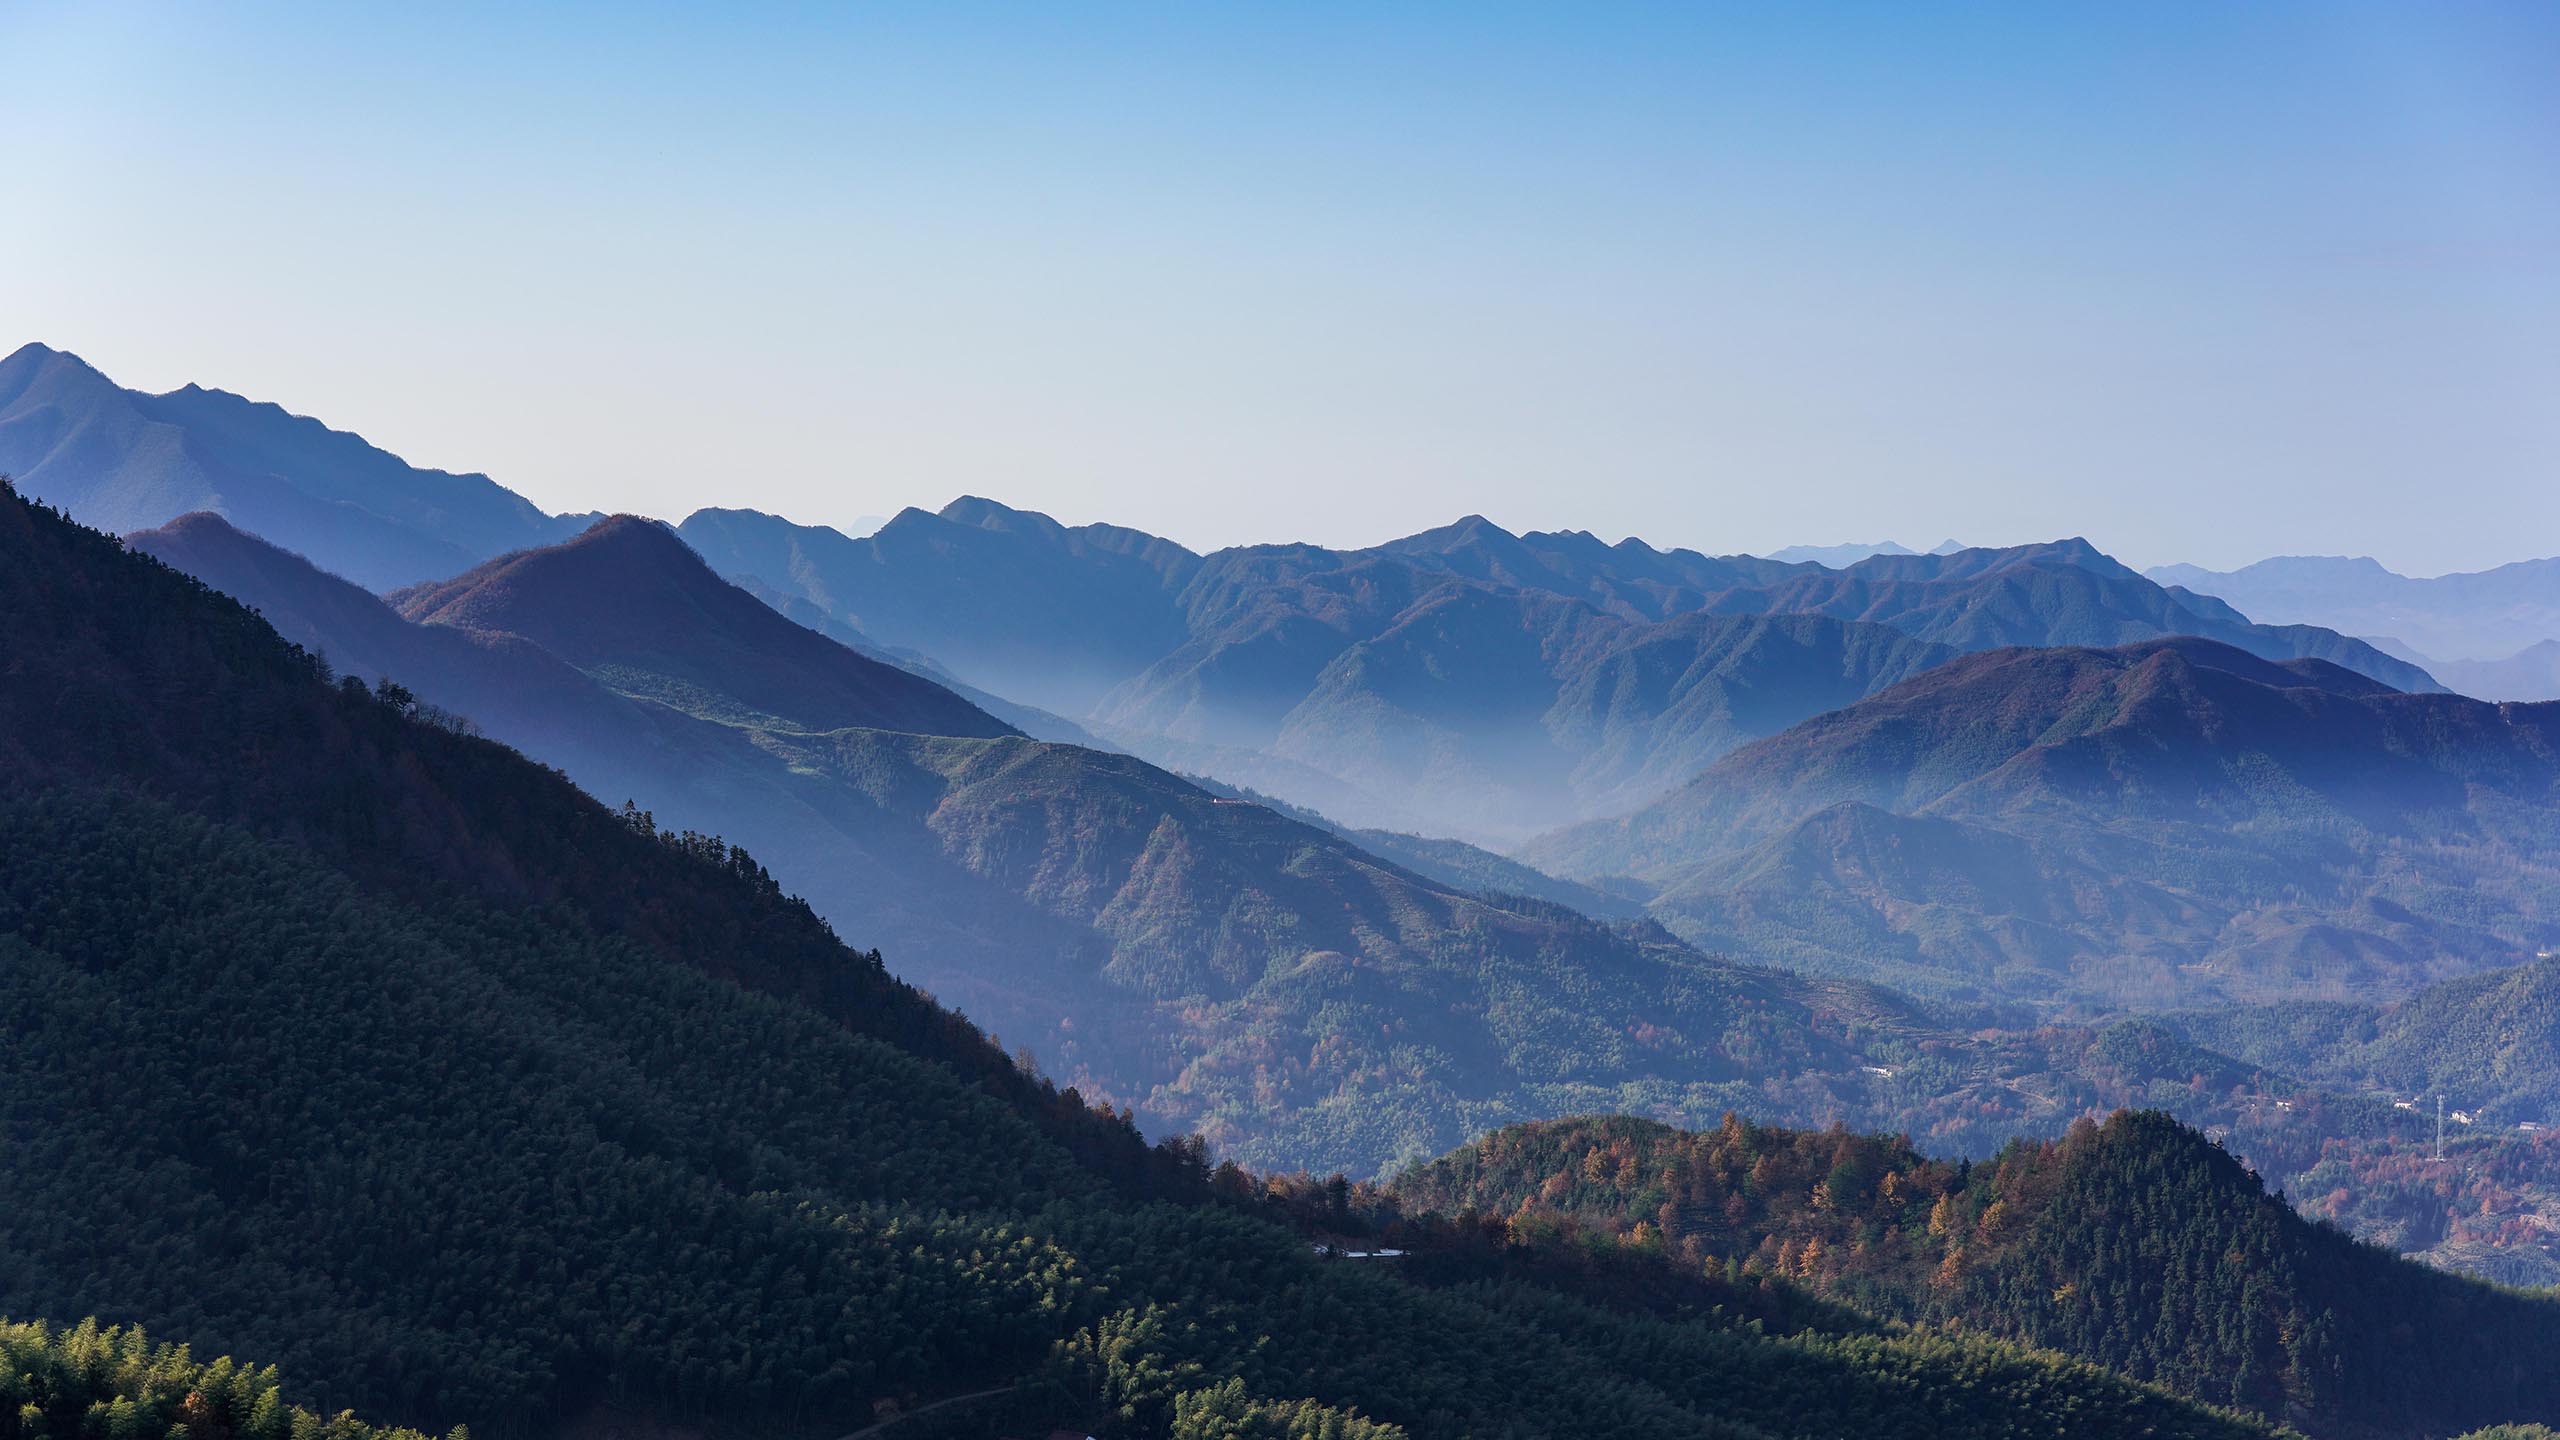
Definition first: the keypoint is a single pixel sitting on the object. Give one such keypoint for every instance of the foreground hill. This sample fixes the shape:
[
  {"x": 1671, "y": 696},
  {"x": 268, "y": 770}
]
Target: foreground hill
[
  {"x": 345, "y": 1040},
  {"x": 1461, "y": 681},
  {"x": 123, "y": 460},
  {"x": 2163, "y": 822},
  {"x": 2135, "y": 1244}
]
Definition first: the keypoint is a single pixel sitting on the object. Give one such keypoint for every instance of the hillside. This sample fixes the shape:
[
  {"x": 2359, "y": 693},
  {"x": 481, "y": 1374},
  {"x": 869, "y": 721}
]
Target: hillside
[
  {"x": 2135, "y": 1244},
  {"x": 350, "y": 1042},
  {"x": 2169, "y": 822},
  {"x": 2489, "y": 1043},
  {"x": 123, "y": 460}
]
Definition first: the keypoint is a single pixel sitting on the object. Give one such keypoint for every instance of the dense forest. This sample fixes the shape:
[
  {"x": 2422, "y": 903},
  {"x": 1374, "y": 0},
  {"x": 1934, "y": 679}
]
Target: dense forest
[
  {"x": 2135, "y": 1244},
  {"x": 358, "y": 1045},
  {"x": 93, "y": 1382}
]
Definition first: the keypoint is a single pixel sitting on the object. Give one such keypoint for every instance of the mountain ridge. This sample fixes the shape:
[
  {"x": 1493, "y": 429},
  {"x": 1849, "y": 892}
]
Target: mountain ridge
[
  {"x": 2178, "y": 815},
  {"x": 130, "y": 461}
]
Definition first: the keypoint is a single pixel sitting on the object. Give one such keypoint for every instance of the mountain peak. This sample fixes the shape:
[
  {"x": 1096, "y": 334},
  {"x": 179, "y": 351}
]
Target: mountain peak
[
  {"x": 625, "y": 528},
  {"x": 628, "y": 597},
  {"x": 196, "y": 522},
  {"x": 1463, "y": 531},
  {"x": 986, "y": 514},
  {"x": 35, "y": 359}
]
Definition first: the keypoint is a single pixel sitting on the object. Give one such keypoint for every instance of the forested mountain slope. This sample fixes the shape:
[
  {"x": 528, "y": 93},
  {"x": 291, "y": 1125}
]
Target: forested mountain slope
[
  {"x": 2489, "y": 1043},
  {"x": 2135, "y": 1244},
  {"x": 349, "y": 1042},
  {"x": 77, "y": 1381},
  {"x": 123, "y": 460},
  {"x": 2173, "y": 821}
]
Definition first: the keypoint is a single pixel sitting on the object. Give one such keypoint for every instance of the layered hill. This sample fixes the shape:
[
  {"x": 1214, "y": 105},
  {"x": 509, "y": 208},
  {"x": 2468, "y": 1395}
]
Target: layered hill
[
  {"x": 124, "y": 460},
  {"x": 1317, "y": 675},
  {"x": 2136, "y": 1244},
  {"x": 1462, "y": 681},
  {"x": 345, "y": 1040},
  {"x": 2147, "y": 825},
  {"x": 1276, "y": 983}
]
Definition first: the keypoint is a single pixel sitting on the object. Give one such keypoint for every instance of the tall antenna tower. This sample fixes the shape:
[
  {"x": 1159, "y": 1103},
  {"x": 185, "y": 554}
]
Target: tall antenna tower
[{"x": 2439, "y": 1124}]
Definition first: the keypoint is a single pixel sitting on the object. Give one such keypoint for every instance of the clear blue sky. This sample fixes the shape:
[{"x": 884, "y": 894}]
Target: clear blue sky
[{"x": 2200, "y": 281}]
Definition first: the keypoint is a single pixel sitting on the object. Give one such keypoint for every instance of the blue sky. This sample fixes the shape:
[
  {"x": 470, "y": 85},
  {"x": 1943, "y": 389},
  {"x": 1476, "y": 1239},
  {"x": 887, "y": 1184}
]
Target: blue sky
[{"x": 2201, "y": 282}]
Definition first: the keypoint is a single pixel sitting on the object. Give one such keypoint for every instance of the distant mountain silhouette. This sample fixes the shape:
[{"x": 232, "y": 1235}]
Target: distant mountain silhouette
[
  {"x": 1055, "y": 614},
  {"x": 2166, "y": 821},
  {"x": 1837, "y": 557},
  {"x": 1464, "y": 680},
  {"x": 123, "y": 460},
  {"x": 2480, "y": 616},
  {"x": 2532, "y": 673}
]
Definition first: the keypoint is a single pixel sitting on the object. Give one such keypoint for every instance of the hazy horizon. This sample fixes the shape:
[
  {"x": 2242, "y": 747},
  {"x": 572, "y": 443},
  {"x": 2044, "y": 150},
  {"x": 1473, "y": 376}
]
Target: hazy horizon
[{"x": 2201, "y": 285}]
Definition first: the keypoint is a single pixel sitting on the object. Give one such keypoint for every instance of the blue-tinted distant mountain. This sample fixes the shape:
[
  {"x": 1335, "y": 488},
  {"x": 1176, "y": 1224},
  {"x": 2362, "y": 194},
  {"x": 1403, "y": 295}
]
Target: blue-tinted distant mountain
[
  {"x": 1010, "y": 601},
  {"x": 2483, "y": 615},
  {"x": 1465, "y": 680},
  {"x": 2532, "y": 673},
  {"x": 1837, "y": 557},
  {"x": 2169, "y": 821},
  {"x": 123, "y": 460}
]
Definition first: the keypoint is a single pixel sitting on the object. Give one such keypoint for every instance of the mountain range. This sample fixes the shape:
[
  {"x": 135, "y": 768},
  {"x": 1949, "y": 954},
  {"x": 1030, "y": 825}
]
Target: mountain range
[
  {"x": 2494, "y": 634},
  {"x": 344, "y": 1036},
  {"x": 345, "y": 1039},
  {"x": 2168, "y": 822},
  {"x": 1592, "y": 678},
  {"x": 1464, "y": 681},
  {"x": 350, "y": 1033},
  {"x": 1840, "y": 557},
  {"x": 1223, "y": 967}
]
